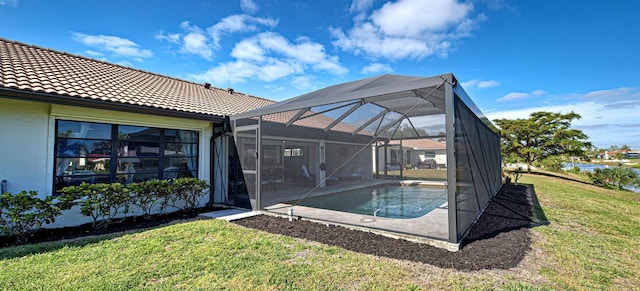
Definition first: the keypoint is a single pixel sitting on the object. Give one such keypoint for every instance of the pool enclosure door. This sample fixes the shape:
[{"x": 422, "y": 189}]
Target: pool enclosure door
[{"x": 248, "y": 143}]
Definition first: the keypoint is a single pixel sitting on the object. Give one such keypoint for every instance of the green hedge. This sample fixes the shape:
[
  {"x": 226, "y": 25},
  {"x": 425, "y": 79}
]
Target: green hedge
[{"x": 23, "y": 213}]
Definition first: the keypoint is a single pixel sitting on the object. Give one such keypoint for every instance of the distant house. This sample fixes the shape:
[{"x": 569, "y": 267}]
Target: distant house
[
  {"x": 67, "y": 119},
  {"x": 419, "y": 153},
  {"x": 626, "y": 154}
]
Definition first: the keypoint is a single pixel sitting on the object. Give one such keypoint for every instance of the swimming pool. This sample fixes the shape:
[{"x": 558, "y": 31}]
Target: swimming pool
[{"x": 391, "y": 201}]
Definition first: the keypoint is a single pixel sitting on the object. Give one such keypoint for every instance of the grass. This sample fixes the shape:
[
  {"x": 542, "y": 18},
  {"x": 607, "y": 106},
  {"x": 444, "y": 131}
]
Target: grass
[
  {"x": 204, "y": 254},
  {"x": 592, "y": 242}
]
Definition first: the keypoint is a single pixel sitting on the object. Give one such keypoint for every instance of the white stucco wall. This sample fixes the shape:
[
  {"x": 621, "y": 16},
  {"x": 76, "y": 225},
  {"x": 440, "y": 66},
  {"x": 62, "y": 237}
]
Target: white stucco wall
[
  {"x": 24, "y": 128},
  {"x": 27, "y": 131}
]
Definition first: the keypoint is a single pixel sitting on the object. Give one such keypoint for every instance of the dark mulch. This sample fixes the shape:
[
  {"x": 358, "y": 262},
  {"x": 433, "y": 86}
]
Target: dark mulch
[
  {"x": 128, "y": 224},
  {"x": 500, "y": 238}
]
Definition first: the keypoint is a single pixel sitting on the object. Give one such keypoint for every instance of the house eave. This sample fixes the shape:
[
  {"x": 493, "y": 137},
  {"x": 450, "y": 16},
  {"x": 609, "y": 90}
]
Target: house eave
[{"x": 23, "y": 95}]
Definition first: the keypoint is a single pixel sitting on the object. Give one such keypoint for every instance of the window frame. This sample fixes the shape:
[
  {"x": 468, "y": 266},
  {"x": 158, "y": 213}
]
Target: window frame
[{"x": 190, "y": 159}]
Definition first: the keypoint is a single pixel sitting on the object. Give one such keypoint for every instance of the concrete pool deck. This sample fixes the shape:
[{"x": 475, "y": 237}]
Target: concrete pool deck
[{"x": 431, "y": 228}]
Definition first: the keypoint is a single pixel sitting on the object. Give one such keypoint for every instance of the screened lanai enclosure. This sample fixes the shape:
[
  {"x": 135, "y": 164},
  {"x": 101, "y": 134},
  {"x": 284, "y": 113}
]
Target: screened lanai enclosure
[{"x": 407, "y": 156}]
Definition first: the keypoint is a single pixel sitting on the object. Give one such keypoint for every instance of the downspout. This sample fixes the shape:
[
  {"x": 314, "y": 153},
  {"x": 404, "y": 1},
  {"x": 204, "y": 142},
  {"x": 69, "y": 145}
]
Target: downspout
[{"x": 226, "y": 128}]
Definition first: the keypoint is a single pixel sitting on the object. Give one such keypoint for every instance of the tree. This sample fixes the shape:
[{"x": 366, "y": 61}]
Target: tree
[
  {"x": 408, "y": 130},
  {"x": 616, "y": 178},
  {"x": 542, "y": 135}
]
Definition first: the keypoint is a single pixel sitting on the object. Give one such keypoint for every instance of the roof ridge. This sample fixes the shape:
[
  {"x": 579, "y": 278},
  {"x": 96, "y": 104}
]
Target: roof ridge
[{"x": 117, "y": 65}]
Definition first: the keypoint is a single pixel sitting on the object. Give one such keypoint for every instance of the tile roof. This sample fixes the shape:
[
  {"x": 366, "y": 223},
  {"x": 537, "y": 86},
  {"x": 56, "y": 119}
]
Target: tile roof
[
  {"x": 420, "y": 144},
  {"x": 318, "y": 121},
  {"x": 32, "y": 69}
]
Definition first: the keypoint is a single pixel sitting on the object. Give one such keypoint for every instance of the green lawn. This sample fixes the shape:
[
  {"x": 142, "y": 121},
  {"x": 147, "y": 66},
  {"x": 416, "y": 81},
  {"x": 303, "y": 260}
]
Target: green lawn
[{"x": 592, "y": 242}]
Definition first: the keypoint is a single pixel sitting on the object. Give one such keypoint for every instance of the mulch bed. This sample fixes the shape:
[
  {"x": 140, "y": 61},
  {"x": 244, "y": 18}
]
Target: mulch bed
[{"x": 500, "y": 239}]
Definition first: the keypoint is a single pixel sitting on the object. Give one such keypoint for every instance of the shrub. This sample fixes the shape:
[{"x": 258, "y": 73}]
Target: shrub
[
  {"x": 102, "y": 202},
  {"x": 617, "y": 177},
  {"x": 189, "y": 191},
  {"x": 575, "y": 170},
  {"x": 23, "y": 213},
  {"x": 552, "y": 163},
  {"x": 149, "y": 194}
]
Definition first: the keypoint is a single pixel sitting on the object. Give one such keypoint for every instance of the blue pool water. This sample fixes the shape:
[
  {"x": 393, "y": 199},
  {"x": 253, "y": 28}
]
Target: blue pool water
[{"x": 383, "y": 201}]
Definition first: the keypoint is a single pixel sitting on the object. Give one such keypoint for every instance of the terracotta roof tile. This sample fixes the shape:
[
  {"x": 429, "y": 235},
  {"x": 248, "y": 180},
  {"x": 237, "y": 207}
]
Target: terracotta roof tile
[
  {"x": 419, "y": 144},
  {"x": 30, "y": 68}
]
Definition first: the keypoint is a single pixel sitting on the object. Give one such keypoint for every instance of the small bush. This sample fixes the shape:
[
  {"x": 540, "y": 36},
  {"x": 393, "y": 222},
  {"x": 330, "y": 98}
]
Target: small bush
[
  {"x": 23, "y": 213},
  {"x": 149, "y": 194},
  {"x": 187, "y": 192},
  {"x": 102, "y": 202},
  {"x": 575, "y": 170}
]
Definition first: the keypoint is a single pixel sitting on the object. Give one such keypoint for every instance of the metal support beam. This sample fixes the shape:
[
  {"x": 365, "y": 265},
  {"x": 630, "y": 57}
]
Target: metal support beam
[
  {"x": 343, "y": 116},
  {"x": 370, "y": 121},
  {"x": 297, "y": 116},
  {"x": 450, "y": 127}
]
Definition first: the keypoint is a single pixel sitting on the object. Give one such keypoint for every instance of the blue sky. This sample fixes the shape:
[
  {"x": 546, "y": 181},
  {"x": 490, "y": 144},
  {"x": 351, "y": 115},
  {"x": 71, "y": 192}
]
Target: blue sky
[{"x": 512, "y": 57}]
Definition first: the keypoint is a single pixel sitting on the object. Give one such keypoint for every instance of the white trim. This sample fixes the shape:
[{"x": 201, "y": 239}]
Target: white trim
[
  {"x": 128, "y": 118},
  {"x": 51, "y": 159}
]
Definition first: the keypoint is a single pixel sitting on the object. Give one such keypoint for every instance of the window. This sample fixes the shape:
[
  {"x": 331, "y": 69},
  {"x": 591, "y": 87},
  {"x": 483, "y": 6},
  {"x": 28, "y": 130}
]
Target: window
[
  {"x": 293, "y": 152},
  {"x": 429, "y": 154},
  {"x": 105, "y": 153}
]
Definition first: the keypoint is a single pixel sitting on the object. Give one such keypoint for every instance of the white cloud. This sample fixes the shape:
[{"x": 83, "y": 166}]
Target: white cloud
[
  {"x": 268, "y": 56},
  {"x": 94, "y": 54},
  {"x": 619, "y": 94},
  {"x": 521, "y": 95},
  {"x": 607, "y": 115},
  {"x": 302, "y": 83},
  {"x": 480, "y": 84},
  {"x": 240, "y": 23},
  {"x": 376, "y": 68},
  {"x": 125, "y": 64},
  {"x": 488, "y": 84},
  {"x": 170, "y": 37},
  {"x": 12, "y": 3},
  {"x": 121, "y": 47},
  {"x": 196, "y": 42},
  {"x": 470, "y": 83},
  {"x": 360, "y": 6},
  {"x": 239, "y": 71},
  {"x": 273, "y": 88},
  {"x": 248, "y": 6},
  {"x": 411, "y": 18},
  {"x": 407, "y": 29},
  {"x": 538, "y": 92},
  {"x": 514, "y": 96},
  {"x": 304, "y": 51},
  {"x": 248, "y": 49}
]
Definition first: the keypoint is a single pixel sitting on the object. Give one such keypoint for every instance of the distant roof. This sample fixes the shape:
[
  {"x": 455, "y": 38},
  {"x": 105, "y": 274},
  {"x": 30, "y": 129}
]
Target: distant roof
[
  {"x": 420, "y": 144},
  {"x": 33, "y": 73}
]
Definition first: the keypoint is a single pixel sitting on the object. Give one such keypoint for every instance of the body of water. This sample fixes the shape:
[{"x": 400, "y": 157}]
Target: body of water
[{"x": 591, "y": 167}]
